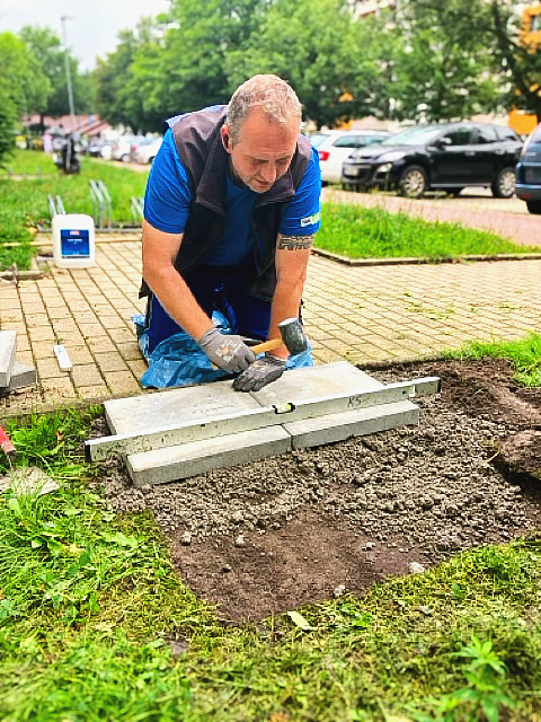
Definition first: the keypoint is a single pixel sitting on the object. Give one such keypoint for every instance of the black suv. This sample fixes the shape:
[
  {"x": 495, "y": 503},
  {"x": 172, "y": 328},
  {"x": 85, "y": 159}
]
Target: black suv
[
  {"x": 529, "y": 172},
  {"x": 446, "y": 156}
]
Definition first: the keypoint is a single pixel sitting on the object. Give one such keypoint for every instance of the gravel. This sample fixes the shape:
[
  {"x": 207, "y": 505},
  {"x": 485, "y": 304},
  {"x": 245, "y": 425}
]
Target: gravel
[{"x": 431, "y": 486}]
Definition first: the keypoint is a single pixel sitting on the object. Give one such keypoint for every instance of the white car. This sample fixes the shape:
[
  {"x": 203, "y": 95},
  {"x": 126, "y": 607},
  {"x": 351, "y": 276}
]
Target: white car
[
  {"x": 334, "y": 146},
  {"x": 121, "y": 150},
  {"x": 147, "y": 150}
]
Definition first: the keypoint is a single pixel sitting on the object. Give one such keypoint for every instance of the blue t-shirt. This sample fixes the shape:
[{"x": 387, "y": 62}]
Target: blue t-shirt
[{"x": 168, "y": 197}]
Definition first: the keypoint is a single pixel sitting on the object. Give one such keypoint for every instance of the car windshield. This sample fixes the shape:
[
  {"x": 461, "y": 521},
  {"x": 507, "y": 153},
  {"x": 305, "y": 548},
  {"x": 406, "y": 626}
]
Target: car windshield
[
  {"x": 317, "y": 139},
  {"x": 413, "y": 136}
]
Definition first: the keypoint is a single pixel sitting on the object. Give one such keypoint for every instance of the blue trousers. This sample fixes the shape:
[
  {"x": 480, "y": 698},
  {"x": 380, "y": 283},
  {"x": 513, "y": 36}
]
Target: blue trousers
[{"x": 215, "y": 288}]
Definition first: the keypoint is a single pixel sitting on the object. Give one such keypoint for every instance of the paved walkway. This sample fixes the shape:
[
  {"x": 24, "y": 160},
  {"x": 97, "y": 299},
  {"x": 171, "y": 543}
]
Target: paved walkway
[{"x": 366, "y": 314}]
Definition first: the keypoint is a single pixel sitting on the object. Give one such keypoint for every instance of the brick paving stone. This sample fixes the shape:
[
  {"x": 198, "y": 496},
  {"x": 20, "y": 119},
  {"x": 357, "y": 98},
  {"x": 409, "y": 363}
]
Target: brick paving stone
[
  {"x": 48, "y": 368},
  {"x": 129, "y": 350},
  {"x": 137, "y": 367},
  {"x": 111, "y": 361},
  {"x": 93, "y": 393},
  {"x": 122, "y": 384},
  {"x": 58, "y": 389},
  {"x": 84, "y": 375},
  {"x": 43, "y": 333},
  {"x": 100, "y": 344}
]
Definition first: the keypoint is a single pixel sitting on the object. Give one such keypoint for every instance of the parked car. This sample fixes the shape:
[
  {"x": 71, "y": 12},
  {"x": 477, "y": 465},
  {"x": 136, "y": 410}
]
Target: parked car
[
  {"x": 100, "y": 148},
  {"x": 334, "y": 146},
  {"x": 146, "y": 150},
  {"x": 528, "y": 185},
  {"x": 121, "y": 150},
  {"x": 446, "y": 156}
]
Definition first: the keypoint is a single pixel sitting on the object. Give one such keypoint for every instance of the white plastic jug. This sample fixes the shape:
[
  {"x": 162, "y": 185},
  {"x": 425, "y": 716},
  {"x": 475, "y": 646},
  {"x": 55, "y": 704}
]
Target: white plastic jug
[{"x": 74, "y": 243}]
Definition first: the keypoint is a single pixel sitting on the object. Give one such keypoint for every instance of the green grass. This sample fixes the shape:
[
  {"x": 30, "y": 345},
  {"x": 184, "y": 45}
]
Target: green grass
[
  {"x": 31, "y": 177},
  {"x": 357, "y": 232},
  {"x": 95, "y": 624},
  {"x": 524, "y": 355},
  {"x": 347, "y": 230}
]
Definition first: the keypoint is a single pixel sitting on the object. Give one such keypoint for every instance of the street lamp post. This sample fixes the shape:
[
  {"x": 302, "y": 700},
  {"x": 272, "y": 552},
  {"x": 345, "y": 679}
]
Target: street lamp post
[{"x": 68, "y": 69}]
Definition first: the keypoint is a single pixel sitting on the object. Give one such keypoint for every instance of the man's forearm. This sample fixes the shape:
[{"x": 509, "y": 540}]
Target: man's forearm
[
  {"x": 159, "y": 252},
  {"x": 179, "y": 302}
]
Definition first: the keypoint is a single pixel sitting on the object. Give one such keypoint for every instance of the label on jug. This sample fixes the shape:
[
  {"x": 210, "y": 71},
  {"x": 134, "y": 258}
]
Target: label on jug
[{"x": 74, "y": 243}]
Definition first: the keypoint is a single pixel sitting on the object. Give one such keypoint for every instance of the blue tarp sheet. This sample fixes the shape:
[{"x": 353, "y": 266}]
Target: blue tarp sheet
[{"x": 179, "y": 361}]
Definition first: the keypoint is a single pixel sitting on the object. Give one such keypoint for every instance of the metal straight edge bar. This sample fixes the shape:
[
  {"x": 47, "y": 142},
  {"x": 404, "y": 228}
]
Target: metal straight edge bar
[{"x": 174, "y": 434}]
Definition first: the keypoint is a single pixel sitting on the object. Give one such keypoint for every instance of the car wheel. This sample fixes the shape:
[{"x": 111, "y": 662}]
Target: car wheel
[
  {"x": 454, "y": 192},
  {"x": 534, "y": 207},
  {"x": 126, "y": 158},
  {"x": 413, "y": 182},
  {"x": 504, "y": 185}
]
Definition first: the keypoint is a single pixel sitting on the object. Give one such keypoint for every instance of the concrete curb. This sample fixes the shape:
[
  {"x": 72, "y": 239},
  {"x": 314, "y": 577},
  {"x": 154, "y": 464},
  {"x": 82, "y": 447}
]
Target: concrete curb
[{"x": 423, "y": 260}]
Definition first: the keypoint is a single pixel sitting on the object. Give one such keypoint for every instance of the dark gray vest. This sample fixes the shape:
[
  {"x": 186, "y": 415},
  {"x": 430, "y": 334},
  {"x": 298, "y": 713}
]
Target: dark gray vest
[{"x": 200, "y": 150}]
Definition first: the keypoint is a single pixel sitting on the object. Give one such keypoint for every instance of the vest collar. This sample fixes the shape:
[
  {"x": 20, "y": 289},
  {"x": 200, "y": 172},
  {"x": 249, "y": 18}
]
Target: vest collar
[{"x": 212, "y": 187}]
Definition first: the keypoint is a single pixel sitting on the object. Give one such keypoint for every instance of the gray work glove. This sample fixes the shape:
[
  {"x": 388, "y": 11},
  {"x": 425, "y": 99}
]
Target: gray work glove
[
  {"x": 228, "y": 352},
  {"x": 260, "y": 373}
]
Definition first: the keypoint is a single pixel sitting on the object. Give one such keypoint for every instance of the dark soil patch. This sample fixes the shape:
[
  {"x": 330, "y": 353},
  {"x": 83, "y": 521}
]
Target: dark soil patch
[{"x": 267, "y": 537}]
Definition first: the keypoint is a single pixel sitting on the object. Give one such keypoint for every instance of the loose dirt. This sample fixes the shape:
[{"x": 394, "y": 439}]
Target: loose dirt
[{"x": 267, "y": 537}]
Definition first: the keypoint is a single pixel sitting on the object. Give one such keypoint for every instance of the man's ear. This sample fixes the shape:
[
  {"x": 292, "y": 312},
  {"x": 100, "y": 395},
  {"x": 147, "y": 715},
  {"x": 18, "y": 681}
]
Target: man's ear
[{"x": 226, "y": 137}]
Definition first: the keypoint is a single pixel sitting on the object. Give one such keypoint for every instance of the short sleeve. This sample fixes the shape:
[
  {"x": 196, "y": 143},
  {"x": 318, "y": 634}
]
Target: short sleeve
[
  {"x": 168, "y": 194},
  {"x": 302, "y": 214}
]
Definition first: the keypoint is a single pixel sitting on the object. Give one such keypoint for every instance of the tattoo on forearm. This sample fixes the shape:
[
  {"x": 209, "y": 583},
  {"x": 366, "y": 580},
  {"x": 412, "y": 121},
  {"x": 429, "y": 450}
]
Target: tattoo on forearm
[{"x": 295, "y": 243}]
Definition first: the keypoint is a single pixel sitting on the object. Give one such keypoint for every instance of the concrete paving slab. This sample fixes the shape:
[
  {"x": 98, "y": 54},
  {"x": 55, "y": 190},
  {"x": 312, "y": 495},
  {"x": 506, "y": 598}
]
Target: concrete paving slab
[
  {"x": 214, "y": 423},
  {"x": 197, "y": 404},
  {"x": 8, "y": 349},
  {"x": 318, "y": 381},
  {"x": 21, "y": 375},
  {"x": 337, "y": 427},
  {"x": 198, "y": 457}
]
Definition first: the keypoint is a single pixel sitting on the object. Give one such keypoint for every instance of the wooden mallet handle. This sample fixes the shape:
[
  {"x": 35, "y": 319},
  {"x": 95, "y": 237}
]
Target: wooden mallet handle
[{"x": 269, "y": 345}]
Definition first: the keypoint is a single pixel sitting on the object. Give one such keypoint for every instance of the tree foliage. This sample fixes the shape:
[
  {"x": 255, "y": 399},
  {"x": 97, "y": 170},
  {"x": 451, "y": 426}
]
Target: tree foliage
[
  {"x": 435, "y": 59},
  {"x": 327, "y": 57},
  {"x": 49, "y": 52},
  {"x": 519, "y": 60},
  {"x": 23, "y": 88},
  {"x": 444, "y": 60}
]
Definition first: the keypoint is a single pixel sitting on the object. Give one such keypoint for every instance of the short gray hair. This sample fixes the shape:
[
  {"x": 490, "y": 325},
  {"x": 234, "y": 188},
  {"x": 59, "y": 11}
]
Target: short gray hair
[{"x": 268, "y": 93}]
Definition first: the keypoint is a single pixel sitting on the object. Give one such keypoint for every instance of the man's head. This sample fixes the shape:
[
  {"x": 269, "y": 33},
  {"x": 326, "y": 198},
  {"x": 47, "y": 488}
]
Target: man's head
[{"x": 260, "y": 133}]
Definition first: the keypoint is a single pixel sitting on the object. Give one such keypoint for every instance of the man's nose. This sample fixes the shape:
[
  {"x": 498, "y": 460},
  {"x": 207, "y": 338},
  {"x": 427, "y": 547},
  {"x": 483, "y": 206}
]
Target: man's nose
[{"x": 269, "y": 172}]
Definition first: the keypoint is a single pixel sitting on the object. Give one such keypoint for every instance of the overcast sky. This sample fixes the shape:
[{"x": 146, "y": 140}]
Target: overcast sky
[{"x": 95, "y": 25}]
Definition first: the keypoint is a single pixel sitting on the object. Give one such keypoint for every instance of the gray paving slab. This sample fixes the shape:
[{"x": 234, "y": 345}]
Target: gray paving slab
[
  {"x": 191, "y": 403},
  {"x": 318, "y": 381},
  {"x": 8, "y": 349},
  {"x": 21, "y": 375},
  {"x": 179, "y": 462},
  {"x": 204, "y": 406},
  {"x": 336, "y": 427}
]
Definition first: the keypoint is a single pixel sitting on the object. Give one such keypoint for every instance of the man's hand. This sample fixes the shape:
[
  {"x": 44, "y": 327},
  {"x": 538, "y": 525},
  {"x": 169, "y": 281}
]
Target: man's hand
[
  {"x": 228, "y": 352},
  {"x": 260, "y": 373}
]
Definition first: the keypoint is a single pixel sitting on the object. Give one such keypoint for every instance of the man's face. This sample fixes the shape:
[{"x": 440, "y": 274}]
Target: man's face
[{"x": 263, "y": 153}]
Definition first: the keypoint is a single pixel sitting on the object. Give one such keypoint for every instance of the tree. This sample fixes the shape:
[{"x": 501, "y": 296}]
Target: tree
[
  {"x": 329, "y": 58},
  {"x": 47, "y": 47},
  {"x": 520, "y": 60},
  {"x": 23, "y": 88},
  {"x": 444, "y": 64},
  {"x": 126, "y": 79}
]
